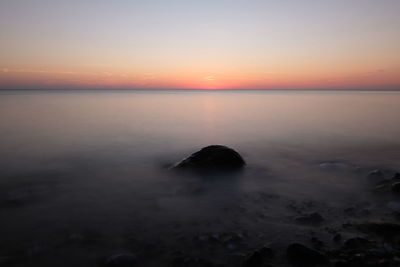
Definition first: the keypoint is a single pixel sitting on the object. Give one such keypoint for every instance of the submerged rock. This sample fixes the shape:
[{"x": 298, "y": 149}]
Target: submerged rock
[
  {"x": 300, "y": 255},
  {"x": 212, "y": 158}
]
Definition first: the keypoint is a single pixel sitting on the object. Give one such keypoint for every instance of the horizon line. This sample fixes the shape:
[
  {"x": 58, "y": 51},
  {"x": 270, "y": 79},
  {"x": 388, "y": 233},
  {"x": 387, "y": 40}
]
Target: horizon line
[{"x": 183, "y": 89}]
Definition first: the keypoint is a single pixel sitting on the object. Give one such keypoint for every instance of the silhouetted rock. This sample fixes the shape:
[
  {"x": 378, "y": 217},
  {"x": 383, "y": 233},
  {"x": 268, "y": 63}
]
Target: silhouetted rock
[
  {"x": 396, "y": 188},
  {"x": 212, "y": 158},
  {"x": 312, "y": 218},
  {"x": 259, "y": 258},
  {"x": 121, "y": 260},
  {"x": 302, "y": 256},
  {"x": 385, "y": 230}
]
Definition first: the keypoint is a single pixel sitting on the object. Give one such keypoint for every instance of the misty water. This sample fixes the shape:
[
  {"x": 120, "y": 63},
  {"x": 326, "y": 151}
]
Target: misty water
[{"x": 84, "y": 174}]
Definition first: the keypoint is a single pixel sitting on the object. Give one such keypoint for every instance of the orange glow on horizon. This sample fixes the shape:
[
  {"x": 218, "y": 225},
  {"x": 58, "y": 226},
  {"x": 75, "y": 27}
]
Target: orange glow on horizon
[
  {"x": 24, "y": 78},
  {"x": 199, "y": 45}
]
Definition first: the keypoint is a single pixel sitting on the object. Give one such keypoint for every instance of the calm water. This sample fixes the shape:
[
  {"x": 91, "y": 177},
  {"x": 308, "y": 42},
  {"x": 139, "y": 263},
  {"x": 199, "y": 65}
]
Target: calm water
[{"x": 95, "y": 164}]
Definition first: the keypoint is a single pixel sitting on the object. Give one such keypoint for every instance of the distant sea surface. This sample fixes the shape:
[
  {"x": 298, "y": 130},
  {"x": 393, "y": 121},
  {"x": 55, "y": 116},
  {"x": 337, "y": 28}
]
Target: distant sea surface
[{"x": 77, "y": 160}]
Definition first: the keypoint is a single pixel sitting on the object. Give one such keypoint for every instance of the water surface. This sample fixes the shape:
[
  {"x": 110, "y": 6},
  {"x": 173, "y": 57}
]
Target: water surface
[{"x": 78, "y": 165}]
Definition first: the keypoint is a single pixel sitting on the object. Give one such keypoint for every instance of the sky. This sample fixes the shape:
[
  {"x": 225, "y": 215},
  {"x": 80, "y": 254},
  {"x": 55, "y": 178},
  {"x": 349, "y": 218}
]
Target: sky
[{"x": 200, "y": 44}]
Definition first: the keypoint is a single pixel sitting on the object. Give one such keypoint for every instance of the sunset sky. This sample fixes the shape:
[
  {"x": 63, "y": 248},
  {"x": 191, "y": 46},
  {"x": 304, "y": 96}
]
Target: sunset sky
[{"x": 199, "y": 44}]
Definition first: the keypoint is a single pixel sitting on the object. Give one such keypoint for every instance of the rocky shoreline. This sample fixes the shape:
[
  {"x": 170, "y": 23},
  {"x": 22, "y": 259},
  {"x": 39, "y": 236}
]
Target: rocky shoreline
[{"x": 303, "y": 232}]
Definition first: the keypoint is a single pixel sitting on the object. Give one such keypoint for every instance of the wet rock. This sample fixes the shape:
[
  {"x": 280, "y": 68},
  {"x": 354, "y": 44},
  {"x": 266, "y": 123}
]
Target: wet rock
[
  {"x": 212, "y": 158},
  {"x": 302, "y": 256},
  {"x": 259, "y": 258},
  {"x": 122, "y": 260},
  {"x": 312, "y": 218},
  {"x": 396, "y": 188}
]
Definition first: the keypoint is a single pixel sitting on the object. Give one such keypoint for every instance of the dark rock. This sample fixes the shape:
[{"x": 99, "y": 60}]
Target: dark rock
[
  {"x": 385, "y": 230},
  {"x": 396, "y": 176},
  {"x": 259, "y": 258},
  {"x": 300, "y": 255},
  {"x": 121, "y": 260},
  {"x": 212, "y": 158},
  {"x": 396, "y": 187},
  {"x": 312, "y": 218}
]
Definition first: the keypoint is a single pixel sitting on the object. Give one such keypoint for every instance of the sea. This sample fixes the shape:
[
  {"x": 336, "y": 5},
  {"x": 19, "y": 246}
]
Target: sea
[{"x": 85, "y": 174}]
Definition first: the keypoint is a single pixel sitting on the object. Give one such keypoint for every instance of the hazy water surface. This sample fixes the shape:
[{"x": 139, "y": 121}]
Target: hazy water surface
[{"x": 78, "y": 161}]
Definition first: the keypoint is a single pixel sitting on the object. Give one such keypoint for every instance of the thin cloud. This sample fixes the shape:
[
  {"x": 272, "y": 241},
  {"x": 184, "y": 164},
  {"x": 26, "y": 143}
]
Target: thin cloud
[{"x": 8, "y": 70}]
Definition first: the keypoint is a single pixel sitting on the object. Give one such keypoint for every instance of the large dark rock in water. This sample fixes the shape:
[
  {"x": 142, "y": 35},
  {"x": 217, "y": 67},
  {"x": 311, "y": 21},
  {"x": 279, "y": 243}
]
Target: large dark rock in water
[{"x": 212, "y": 158}]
